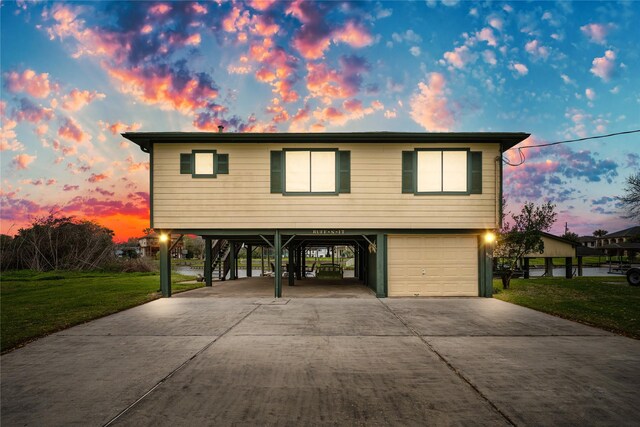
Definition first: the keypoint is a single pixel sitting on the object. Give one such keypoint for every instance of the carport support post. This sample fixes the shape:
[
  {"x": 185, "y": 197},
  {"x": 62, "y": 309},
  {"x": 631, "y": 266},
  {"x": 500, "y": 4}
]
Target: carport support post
[
  {"x": 381, "y": 261},
  {"x": 291, "y": 264},
  {"x": 525, "y": 267},
  {"x": 277, "y": 243},
  {"x": 568, "y": 267},
  {"x": 207, "y": 261},
  {"x": 303, "y": 270},
  {"x": 249, "y": 266},
  {"x": 165, "y": 268},
  {"x": 232, "y": 261}
]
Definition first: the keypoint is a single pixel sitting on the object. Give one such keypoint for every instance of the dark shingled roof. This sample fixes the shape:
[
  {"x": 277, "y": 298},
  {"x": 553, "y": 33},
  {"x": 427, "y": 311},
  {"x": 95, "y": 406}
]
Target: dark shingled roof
[
  {"x": 628, "y": 232},
  {"x": 506, "y": 140}
]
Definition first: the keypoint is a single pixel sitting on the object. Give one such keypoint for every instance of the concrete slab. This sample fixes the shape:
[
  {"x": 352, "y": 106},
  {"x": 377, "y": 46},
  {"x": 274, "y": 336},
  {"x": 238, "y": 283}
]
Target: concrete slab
[
  {"x": 171, "y": 316},
  {"x": 294, "y": 381},
  {"x": 481, "y": 316},
  {"x": 322, "y": 316},
  {"x": 589, "y": 380},
  {"x": 263, "y": 287},
  {"x": 86, "y": 380}
]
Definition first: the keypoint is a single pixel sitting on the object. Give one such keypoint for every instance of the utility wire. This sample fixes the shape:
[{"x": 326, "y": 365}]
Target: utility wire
[{"x": 523, "y": 157}]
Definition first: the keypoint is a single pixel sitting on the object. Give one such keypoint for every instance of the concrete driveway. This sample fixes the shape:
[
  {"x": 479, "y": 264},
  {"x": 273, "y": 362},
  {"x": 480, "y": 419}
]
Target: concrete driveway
[{"x": 190, "y": 360}]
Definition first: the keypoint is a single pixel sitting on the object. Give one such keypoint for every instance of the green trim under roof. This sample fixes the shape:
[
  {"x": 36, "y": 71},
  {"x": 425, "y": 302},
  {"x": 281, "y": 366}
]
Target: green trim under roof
[{"x": 506, "y": 140}]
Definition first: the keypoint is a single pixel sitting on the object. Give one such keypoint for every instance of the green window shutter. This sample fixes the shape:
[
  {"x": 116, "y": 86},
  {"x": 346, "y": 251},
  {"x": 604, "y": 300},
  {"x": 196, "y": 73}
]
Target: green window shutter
[
  {"x": 276, "y": 171},
  {"x": 408, "y": 171},
  {"x": 475, "y": 172},
  {"x": 185, "y": 163},
  {"x": 222, "y": 163},
  {"x": 345, "y": 171}
]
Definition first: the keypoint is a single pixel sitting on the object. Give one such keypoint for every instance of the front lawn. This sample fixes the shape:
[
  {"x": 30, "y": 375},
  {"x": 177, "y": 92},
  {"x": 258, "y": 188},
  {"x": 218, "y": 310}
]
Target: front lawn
[
  {"x": 34, "y": 304},
  {"x": 604, "y": 302}
]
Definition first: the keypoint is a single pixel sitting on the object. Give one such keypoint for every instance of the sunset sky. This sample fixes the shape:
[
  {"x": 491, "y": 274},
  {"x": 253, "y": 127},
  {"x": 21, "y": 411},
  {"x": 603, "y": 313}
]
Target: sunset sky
[{"x": 75, "y": 75}]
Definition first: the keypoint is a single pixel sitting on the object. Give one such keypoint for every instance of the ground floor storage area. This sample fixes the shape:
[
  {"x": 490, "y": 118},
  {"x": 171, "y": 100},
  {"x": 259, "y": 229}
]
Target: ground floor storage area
[{"x": 388, "y": 263}]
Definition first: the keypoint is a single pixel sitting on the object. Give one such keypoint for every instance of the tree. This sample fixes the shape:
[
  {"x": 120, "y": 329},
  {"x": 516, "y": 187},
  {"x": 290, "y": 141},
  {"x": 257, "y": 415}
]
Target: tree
[
  {"x": 631, "y": 199},
  {"x": 570, "y": 235},
  {"x": 195, "y": 245},
  {"x": 523, "y": 235},
  {"x": 600, "y": 232}
]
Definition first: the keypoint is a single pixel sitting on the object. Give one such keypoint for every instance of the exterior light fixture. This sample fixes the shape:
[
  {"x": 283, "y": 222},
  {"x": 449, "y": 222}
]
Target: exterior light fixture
[
  {"x": 489, "y": 237},
  {"x": 164, "y": 237}
]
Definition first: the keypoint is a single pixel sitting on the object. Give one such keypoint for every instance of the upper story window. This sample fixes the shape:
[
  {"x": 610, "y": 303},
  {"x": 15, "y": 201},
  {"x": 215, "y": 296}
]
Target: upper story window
[
  {"x": 309, "y": 171},
  {"x": 442, "y": 171},
  {"x": 204, "y": 163}
]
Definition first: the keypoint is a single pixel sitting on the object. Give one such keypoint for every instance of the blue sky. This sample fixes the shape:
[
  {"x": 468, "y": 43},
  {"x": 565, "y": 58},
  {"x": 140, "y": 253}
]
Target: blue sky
[{"x": 75, "y": 75}]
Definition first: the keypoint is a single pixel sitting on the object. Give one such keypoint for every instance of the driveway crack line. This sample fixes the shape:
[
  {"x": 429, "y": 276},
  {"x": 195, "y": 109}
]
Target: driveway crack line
[
  {"x": 449, "y": 365},
  {"x": 179, "y": 368}
]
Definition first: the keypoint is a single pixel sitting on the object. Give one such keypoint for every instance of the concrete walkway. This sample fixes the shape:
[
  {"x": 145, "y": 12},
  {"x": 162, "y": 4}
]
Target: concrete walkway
[{"x": 324, "y": 361}]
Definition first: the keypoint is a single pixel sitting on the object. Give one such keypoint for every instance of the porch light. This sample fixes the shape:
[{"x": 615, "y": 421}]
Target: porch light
[
  {"x": 489, "y": 237},
  {"x": 164, "y": 237}
]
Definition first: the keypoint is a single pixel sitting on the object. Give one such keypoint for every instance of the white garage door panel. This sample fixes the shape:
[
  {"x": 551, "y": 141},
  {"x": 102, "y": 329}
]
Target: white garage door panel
[{"x": 433, "y": 265}]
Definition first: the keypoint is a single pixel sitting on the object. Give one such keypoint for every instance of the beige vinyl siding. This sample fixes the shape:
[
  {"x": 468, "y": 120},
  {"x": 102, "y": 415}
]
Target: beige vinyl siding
[
  {"x": 433, "y": 265},
  {"x": 554, "y": 248},
  {"x": 242, "y": 199}
]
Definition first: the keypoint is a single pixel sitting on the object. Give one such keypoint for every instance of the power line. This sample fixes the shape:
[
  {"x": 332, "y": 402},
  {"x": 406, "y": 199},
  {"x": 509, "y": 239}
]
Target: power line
[{"x": 523, "y": 157}]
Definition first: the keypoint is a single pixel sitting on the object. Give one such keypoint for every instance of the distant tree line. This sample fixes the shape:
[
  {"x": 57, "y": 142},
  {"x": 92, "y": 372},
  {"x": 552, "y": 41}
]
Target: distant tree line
[{"x": 57, "y": 243}]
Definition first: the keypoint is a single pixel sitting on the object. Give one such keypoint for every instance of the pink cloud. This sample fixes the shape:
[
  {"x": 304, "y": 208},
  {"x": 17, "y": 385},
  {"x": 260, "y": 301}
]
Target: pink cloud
[
  {"x": 119, "y": 127},
  {"x": 98, "y": 177},
  {"x": 31, "y": 112},
  {"x": 8, "y": 141},
  {"x": 519, "y": 68},
  {"x": 158, "y": 86},
  {"x": 22, "y": 161},
  {"x": 71, "y": 131},
  {"x": 486, "y": 35},
  {"x": 597, "y": 33},
  {"x": 460, "y": 57},
  {"x": 261, "y": 5},
  {"x": 536, "y": 49},
  {"x": 136, "y": 166},
  {"x": 590, "y": 94},
  {"x": 68, "y": 187},
  {"x": 36, "y": 85},
  {"x": 604, "y": 67},
  {"x": 353, "y": 34},
  {"x": 328, "y": 84},
  {"x": 50, "y": 181},
  {"x": 430, "y": 107},
  {"x": 77, "y": 99}
]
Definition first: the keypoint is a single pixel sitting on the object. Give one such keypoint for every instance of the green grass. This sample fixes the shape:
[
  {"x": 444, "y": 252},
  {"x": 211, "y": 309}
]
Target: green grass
[
  {"x": 604, "y": 302},
  {"x": 36, "y": 304}
]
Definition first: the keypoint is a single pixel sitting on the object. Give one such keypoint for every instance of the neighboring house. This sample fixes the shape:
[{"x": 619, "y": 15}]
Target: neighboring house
[
  {"x": 416, "y": 207},
  {"x": 621, "y": 243},
  {"x": 150, "y": 246},
  {"x": 555, "y": 247},
  {"x": 587, "y": 241}
]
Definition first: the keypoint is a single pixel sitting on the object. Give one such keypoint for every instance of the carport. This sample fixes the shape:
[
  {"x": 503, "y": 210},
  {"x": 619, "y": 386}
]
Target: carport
[{"x": 222, "y": 250}]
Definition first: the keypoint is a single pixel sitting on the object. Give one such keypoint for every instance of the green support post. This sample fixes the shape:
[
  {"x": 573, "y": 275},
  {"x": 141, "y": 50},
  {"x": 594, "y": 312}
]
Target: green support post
[
  {"x": 356, "y": 261},
  {"x": 303, "y": 268},
  {"x": 381, "y": 261},
  {"x": 526, "y": 269},
  {"x": 165, "y": 267},
  {"x": 277, "y": 263},
  {"x": 291, "y": 264},
  {"x": 298, "y": 263},
  {"x": 249, "y": 261},
  {"x": 232, "y": 261},
  {"x": 208, "y": 270}
]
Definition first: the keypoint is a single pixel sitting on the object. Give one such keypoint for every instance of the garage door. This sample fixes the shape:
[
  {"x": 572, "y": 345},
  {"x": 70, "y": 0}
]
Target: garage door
[{"x": 433, "y": 265}]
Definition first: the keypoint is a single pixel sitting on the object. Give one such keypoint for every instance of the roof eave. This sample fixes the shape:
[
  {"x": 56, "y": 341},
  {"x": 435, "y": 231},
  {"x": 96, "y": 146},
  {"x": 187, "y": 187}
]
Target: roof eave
[{"x": 506, "y": 140}]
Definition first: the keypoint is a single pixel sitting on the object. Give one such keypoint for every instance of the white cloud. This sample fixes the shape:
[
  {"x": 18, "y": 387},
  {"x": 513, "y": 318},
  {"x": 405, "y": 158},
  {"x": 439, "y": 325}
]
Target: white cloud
[
  {"x": 519, "y": 68},
  {"x": 430, "y": 106},
  {"x": 415, "y": 50},
  {"x": 604, "y": 67},
  {"x": 590, "y": 94}
]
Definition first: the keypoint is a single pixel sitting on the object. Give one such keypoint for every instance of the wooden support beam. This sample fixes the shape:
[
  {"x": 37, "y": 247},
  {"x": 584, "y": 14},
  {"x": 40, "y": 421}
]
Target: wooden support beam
[
  {"x": 548, "y": 267},
  {"x": 579, "y": 266},
  {"x": 298, "y": 263},
  {"x": 303, "y": 270},
  {"x": 208, "y": 262},
  {"x": 568, "y": 267}
]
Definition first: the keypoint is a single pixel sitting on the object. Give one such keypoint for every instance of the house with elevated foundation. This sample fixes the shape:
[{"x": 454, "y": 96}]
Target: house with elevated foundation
[{"x": 415, "y": 208}]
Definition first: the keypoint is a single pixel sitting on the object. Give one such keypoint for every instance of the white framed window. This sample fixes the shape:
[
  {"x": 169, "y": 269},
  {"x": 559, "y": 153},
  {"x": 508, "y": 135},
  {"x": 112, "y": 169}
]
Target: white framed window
[
  {"x": 310, "y": 171},
  {"x": 443, "y": 171}
]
